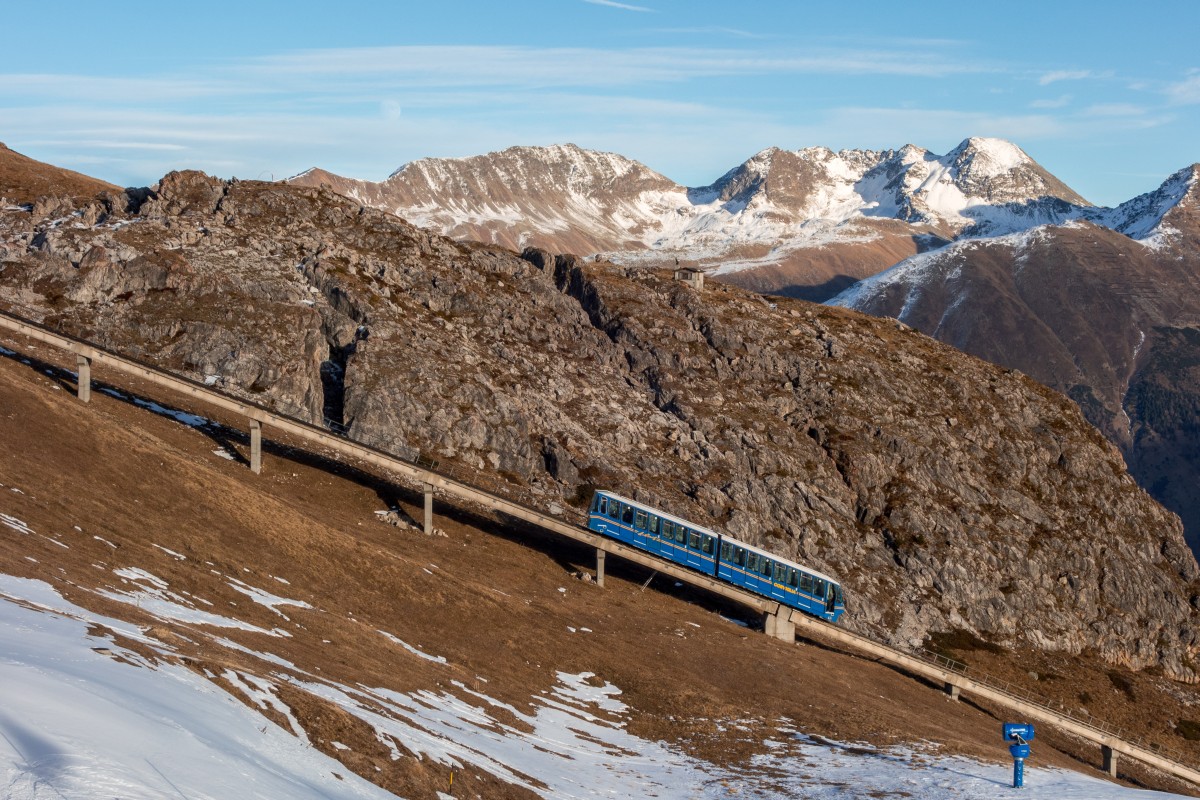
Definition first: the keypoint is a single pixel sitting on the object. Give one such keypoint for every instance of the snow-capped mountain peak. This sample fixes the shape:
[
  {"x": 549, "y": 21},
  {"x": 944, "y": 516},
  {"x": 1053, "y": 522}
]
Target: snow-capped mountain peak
[{"x": 1145, "y": 217}]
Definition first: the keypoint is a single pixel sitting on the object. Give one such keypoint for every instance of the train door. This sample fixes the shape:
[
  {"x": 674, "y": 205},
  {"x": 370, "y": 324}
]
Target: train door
[{"x": 599, "y": 510}]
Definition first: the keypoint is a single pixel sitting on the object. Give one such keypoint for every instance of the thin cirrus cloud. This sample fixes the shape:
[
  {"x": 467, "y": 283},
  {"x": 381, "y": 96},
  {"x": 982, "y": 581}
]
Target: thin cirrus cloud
[
  {"x": 507, "y": 65},
  {"x": 1072, "y": 75},
  {"x": 330, "y": 72},
  {"x": 622, "y": 6},
  {"x": 1185, "y": 92},
  {"x": 1062, "y": 101}
]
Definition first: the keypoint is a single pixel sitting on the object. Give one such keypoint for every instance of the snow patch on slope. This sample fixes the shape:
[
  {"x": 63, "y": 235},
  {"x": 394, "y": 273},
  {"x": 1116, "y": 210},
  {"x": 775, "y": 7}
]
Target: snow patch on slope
[
  {"x": 76, "y": 722},
  {"x": 82, "y": 716}
]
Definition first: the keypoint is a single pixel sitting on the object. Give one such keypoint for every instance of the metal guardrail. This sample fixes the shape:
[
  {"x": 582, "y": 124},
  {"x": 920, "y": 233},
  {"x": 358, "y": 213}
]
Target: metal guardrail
[
  {"x": 497, "y": 487},
  {"x": 1018, "y": 692}
]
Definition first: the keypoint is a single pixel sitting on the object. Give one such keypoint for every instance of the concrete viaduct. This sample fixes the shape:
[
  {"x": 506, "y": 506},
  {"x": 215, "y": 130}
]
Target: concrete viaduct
[{"x": 779, "y": 621}]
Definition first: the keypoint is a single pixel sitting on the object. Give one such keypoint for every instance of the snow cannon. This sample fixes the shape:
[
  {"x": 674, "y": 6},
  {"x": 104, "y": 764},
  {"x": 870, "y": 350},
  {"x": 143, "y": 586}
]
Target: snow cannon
[{"x": 1020, "y": 734}]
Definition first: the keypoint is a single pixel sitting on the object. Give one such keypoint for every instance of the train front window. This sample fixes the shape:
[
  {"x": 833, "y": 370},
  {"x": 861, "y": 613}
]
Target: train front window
[{"x": 837, "y": 594}]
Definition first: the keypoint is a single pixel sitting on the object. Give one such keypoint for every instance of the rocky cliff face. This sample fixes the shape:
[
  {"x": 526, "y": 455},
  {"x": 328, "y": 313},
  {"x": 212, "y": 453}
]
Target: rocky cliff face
[
  {"x": 946, "y": 493},
  {"x": 800, "y": 223}
]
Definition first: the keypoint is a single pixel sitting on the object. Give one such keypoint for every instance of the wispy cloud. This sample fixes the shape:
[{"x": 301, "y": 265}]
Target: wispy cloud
[
  {"x": 613, "y": 4},
  {"x": 331, "y": 76},
  {"x": 712, "y": 29},
  {"x": 1062, "y": 101},
  {"x": 507, "y": 65},
  {"x": 1071, "y": 75},
  {"x": 1185, "y": 92},
  {"x": 1115, "y": 110}
]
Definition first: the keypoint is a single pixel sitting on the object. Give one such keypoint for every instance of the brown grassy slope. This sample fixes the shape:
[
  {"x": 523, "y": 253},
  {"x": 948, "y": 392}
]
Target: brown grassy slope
[
  {"x": 486, "y": 597},
  {"x": 23, "y": 180}
]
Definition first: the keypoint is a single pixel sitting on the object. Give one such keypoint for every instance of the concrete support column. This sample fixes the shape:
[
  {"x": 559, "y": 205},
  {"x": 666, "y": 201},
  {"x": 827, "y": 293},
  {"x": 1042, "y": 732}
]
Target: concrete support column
[
  {"x": 600, "y": 554},
  {"x": 1110, "y": 760},
  {"x": 952, "y": 690},
  {"x": 255, "y": 446},
  {"x": 429, "y": 509},
  {"x": 779, "y": 625},
  {"x": 83, "y": 367}
]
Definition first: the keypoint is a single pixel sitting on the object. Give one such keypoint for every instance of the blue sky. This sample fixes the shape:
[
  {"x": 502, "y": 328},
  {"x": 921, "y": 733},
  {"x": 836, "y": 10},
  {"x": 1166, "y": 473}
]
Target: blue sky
[{"x": 1105, "y": 95}]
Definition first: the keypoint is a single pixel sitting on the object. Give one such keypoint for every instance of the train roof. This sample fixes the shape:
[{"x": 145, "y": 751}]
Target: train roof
[{"x": 724, "y": 536}]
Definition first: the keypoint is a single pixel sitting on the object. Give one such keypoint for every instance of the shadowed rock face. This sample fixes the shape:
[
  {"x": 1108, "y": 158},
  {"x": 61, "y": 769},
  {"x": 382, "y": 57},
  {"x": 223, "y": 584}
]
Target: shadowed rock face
[
  {"x": 946, "y": 493},
  {"x": 1112, "y": 322}
]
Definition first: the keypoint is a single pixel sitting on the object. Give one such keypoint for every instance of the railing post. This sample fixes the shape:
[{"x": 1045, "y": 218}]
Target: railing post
[
  {"x": 600, "y": 567},
  {"x": 83, "y": 383},
  {"x": 255, "y": 446},
  {"x": 952, "y": 690},
  {"x": 429, "y": 509}
]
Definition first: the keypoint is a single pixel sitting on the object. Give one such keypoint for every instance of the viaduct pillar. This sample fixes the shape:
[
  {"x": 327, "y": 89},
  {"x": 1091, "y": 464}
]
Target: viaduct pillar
[
  {"x": 255, "y": 446},
  {"x": 83, "y": 383}
]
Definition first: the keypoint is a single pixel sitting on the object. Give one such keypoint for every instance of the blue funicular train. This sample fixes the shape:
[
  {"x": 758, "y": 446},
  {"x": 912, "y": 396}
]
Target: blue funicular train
[{"x": 716, "y": 554}]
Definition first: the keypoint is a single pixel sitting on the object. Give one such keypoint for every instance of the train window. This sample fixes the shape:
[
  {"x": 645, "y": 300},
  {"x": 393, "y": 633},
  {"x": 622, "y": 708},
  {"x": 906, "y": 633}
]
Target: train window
[
  {"x": 805, "y": 582},
  {"x": 764, "y": 566},
  {"x": 627, "y": 514},
  {"x": 819, "y": 588},
  {"x": 680, "y": 533},
  {"x": 667, "y": 525},
  {"x": 598, "y": 504},
  {"x": 640, "y": 520},
  {"x": 706, "y": 544},
  {"x": 725, "y": 551},
  {"x": 693, "y": 540},
  {"x": 614, "y": 509},
  {"x": 752, "y": 562},
  {"x": 793, "y": 578},
  {"x": 780, "y": 573},
  {"x": 739, "y": 556},
  {"x": 653, "y": 523}
]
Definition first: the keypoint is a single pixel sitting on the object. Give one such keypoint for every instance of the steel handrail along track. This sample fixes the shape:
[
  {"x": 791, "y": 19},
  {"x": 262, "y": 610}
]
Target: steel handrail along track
[{"x": 455, "y": 481}]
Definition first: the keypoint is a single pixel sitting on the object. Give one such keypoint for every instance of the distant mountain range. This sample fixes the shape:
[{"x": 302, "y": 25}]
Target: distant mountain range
[
  {"x": 805, "y": 223},
  {"x": 988, "y": 252}
]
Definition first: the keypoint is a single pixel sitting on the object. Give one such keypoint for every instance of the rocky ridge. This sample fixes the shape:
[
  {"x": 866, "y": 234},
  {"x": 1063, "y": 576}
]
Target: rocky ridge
[{"x": 947, "y": 494}]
